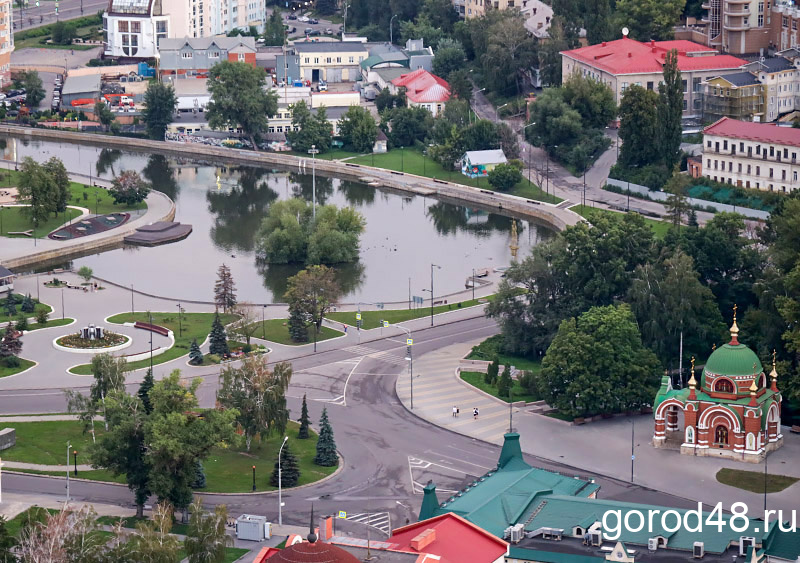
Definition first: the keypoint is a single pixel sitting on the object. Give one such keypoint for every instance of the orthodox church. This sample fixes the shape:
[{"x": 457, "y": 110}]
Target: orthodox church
[{"x": 733, "y": 411}]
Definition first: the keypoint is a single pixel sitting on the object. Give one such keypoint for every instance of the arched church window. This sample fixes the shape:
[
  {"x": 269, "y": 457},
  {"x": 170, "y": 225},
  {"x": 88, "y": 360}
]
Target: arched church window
[{"x": 723, "y": 386}]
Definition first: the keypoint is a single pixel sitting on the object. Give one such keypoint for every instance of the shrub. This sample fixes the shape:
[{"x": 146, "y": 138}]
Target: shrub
[
  {"x": 22, "y": 324},
  {"x": 12, "y": 362},
  {"x": 41, "y": 316}
]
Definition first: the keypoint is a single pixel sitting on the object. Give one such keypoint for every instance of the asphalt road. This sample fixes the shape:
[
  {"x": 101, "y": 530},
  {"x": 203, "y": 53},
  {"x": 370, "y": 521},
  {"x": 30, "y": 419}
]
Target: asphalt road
[
  {"x": 32, "y": 16},
  {"x": 389, "y": 453}
]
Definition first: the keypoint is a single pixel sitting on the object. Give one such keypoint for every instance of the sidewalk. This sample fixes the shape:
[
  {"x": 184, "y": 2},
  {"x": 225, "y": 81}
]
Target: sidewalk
[{"x": 600, "y": 447}]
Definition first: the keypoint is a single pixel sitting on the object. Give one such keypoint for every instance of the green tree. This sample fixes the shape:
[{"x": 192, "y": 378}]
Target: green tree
[
  {"x": 41, "y": 316},
  {"x": 384, "y": 100},
  {"x": 649, "y": 19},
  {"x": 639, "y": 127},
  {"x": 510, "y": 49},
  {"x": 103, "y": 114},
  {"x": 129, "y": 188},
  {"x": 152, "y": 541},
  {"x": 460, "y": 84},
  {"x": 218, "y": 338},
  {"x": 22, "y": 324},
  {"x": 199, "y": 481},
  {"x": 298, "y": 330},
  {"x": 195, "y": 354},
  {"x": 314, "y": 128},
  {"x": 325, "y": 7},
  {"x": 10, "y": 345},
  {"x": 504, "y": 177},
  {"x": 159, "y": 108},
  {"x": 109, "y": 376},
  {"x": 86, "y": 273},
  {"x": 274, "y": 31},
  {"x": 62, "y": 33},
  {"x": 504, "y": 383},
  {"x": 239, "y": 99},
  {"x": 225, "y": 289},
  {"x": 598, "y": 21},
  {"x": 408, "y": 125},
  {"x": 590, "y": 98},
  {"x": 304, "y": 420},
  {"x": 421, "y": 28},
  {"x": 670, "y": 110},
  {"x": 555, "y": 122},
  {"x": 313, "y": 292},
  {"x": 492, "y": 371},
  {"x": 441, "y": 15},
  {"x": 7, "y": 543},
  {"x": 326, "y": 445},
  {"x": 28, "y": 306},
  {"x": 550, "y": 54},
  {"x": 258, "y": 394},
  {"x": 144, "y": 389},
  {"x": 449, "y": 57},
  {"x": 207, "y": 536},
  {"x": 34, "y": 90},
  {"x": 622, "y": 376},
  {"x": 59, "y": 190},
  {"x": 677, "y": 203},
  {"x": 36, "y": 188},
  {"x": 11, "y": 306},
  {"x": 289, "y": 469},
  {"x": 358, "y": 129}
]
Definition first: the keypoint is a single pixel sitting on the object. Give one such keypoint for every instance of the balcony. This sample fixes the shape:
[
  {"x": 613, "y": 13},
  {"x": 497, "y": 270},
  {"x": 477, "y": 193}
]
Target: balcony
[{"x": 736, "y": 27}]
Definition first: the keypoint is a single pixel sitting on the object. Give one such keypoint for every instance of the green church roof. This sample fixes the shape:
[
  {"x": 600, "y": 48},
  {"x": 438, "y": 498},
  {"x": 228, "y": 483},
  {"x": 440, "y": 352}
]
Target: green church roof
[{"x": 733, "y": 360}]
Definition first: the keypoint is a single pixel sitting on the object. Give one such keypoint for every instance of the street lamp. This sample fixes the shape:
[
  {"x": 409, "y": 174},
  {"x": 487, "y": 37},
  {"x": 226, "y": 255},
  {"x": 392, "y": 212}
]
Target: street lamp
[
  {"x": 62, "y": 315},
  {"x": 633, "y": 457},
  {"x": 410, "y": 358},
  {"x": 263, "y": 326},
  {"x": 313, "y": 152},
  {"x": 473, "y": 284},
  {"x": 131, "y": 299},
  {"x": 391, "y": 41},
  {"x": 180, "y": 325},
  {"x": 344, "y": 25},
  {"x": 280, "y": 502},
  {"x": 69, "y": 446},
  {"x": 497, "y": 112},
  {"x": 75, "y": 460},
  {"x": 432, "y": 267},
  {"x": 254, "y": 478}
]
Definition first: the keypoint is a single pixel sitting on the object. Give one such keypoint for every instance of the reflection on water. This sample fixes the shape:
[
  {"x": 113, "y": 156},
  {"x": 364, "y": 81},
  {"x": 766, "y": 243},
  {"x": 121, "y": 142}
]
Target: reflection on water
[{"x": 225, "y": 206}]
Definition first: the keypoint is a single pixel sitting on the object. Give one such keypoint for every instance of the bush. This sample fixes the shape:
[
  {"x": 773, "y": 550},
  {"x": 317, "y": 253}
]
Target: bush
[
  {"x": 41, "y": 316},
  {"x": 12, "y": 362},
  {"x": 22, "y": 324},
  {"x": 654, "y": 176},
  {"x": 247, "y": 348},
  {"x": 527, "y": 380},
  {"x": 504, "y": 177}
]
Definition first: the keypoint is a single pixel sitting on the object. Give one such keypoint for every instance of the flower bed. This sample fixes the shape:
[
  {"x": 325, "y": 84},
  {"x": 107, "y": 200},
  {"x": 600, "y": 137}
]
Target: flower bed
[{"x": 109, "y": 340}]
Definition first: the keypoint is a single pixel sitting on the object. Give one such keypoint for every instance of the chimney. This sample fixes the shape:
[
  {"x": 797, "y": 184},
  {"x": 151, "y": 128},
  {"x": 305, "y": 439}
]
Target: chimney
[
  {"x": 604, "y": 44},
  {"x": 511, "y": 449},
  {"x": 424, "y": 539},
  {"x": 430, "y": 504},
  {"x": 653, "y": 43},
  {"x": 630, "y": 54}
]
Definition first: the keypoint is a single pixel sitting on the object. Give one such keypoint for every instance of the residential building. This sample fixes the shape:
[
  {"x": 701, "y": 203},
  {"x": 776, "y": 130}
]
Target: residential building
[
  {"x": 479, "y": 163},
  {"x": 6, "y": 41},
  {"x": 477, "y": 8},
  {"x": 381, "y": 143},
  {"x": 752, "y": 155},
  {"x": 6, "y": 280},
  {"x": 781, "y": 81},
  {"x": 625, "y": 62},
  {"x": 423, "y": 89},
  {"x": 331, "y": 61},
  {"x": 738, "y": 26},
  {"x": 783, "y": 29},
  {"x": 414, "y": 56},
  {"x": 281, "y": 122},
  {"x": 739, "y": 95},
  {"x": 189, "y": 57}
]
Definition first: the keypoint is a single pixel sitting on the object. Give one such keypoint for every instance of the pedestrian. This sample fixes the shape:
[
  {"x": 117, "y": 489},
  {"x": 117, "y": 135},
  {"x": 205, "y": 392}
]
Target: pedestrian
[
  {"x": 455, "y": 410},
  {"x": 344, "y": 327},
  {"x": 475, "y": 413}
]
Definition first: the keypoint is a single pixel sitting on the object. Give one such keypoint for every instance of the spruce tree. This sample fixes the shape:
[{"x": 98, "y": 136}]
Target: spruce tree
[
  {"x": 144, "y": 391},
  {"x": 290, "y": 470},
  {"x": 298, "y": 331},
  {"x": 28, "y": 305},
  {"x": 693, "y": 218},
  {"x": 504, "y": 383},
  {"x": 195, "y": 355},
  {"x": 492, "y": 371},
  {"x": 218, "y": 338},
  {"x": 303, "y": 433},
  {"x": 326, "y": 446},
  {"x": 199, "y": 475},
  {"x": 22, "y": 324},
  {"x": 11, "y": 306}
]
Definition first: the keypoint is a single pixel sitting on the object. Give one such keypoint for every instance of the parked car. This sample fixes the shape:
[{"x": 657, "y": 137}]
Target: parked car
[
  {"x": 291, "y": 17},
  {"x": 308, "y": 31},
  {"x": 303, "y": 19},
  {"x": 313, "y": 21},
  {"x": 328, "y": 31},
  {"x": 315, "y": 32},
  {"x": 323, "y": 87}
]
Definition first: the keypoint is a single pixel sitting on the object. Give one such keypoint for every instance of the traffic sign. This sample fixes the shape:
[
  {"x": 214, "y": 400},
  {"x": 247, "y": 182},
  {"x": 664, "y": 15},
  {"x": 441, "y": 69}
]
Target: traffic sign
[
  {"x": 409, "y": 341},
  {"x": 342, "y": 514},
  {"x": 358, "y": 316},
  {"x": 385, "y": 323}
]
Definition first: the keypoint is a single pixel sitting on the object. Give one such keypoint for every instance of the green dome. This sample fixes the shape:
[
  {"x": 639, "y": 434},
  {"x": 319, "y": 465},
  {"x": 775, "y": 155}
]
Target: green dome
[{"x": 733, "y": 360}]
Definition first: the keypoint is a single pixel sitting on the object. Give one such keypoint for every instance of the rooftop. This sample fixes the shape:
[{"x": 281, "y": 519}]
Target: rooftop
[
  {"x": 741, "y": 79},
  {"x": 771, "y": 64},
  {"x": 422, "y": 86},
  {"x": 81, "y": 84},
  {"x": 203, "y": 43},
  {"x": 759, "y": 132},
  {"x": 190, "y": 86},
  {"x": 628, "y": 56},
  {"x": 492, "y": 156},
  {"x": 329, "y": 47},
  {"x": 5, "y": 272}
]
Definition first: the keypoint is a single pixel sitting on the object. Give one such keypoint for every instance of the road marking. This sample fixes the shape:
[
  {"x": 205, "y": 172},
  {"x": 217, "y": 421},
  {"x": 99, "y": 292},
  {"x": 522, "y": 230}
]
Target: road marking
[
  {"x": 419, "y": 488},
  {"x": 344, "y": 393},
  {"x": 379, "y": 520}
]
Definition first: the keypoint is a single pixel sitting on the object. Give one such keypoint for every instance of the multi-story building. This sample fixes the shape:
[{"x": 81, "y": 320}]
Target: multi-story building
[
  {"x": 625, "y": 62},
  {"x": 6, "y": 41},
  {"x": 331, "y": 61},
  {"x": 781, "y": 82},
  {"x": 190, "y": 57},
  {"x": 423, "y": 89},
  {"x": 477, "y": 8},
  {"x": 738, "y": 96},
  {"x": 738, "y": 26},
  {"x": 752, "y": 155}
]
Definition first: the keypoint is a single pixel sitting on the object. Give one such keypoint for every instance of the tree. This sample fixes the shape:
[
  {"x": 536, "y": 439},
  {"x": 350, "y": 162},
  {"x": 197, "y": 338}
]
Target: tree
[
  {"x": 492, "y": 371},
  {"x": 555, "y": 122},
  {"x": 408, "y": 125},
  {"x": 314, "y": 129},
  {"x": 36, "y": 188},
  {"x": 550, "y": 54},
  {"x": 152, "y": 542},
  {"x": 62, "y": 33},
  {"x": 325, "y": 7},
  {"x": 103, "y": 114},
  {"x": 677, "y": 204},
  {"x": 109, "y": 375},
  {"x": 11, "y": 306},
  {"x": 421, "y": 28},
  {"x": 326, "y": 446},
  {"x": 65, "y": 536},
  {"x": 34, "y": 90},
  {"x": 159, "y": 107},
  {"x": 441, "y": 15},
  {"x": 7, "y": 543},
  {"x": 649, "y": 19},
  {"x": 289, "y": 469},
  {"x": 510, "y": 50},
  {"x": 207, "y": 536},
  {"x": 504, "y": 383},
  {"x": 460, "y": 84},
  {"x": 384, "y": 100},
  {"x": 504, "y": 177},
  {"x": 10, "y": 345},
  {"x": 258, "y": 394},
  {"x": 59, "y": 190},
  {"x": 358, "y": 129},
  {"x": 450, "y": 56},
  {"x": 670, "y": 110},
  {"x": 313, "y": 292},
  {"x": 304, "y": 420},
  {"x": 28, "y": 306},
  {"x": 592, "y": 99},
  {"x": 195, "y": 355},
  {"x": 129, "y": 188},
  {"x": 274, "y": 31},
  {"x": 239, "y": 99},
  {"x": 41, "y": 316},
  {"x": 85, "y": 272},
  {"x": 597, "y": 21},
  {"x": 144, "y": 390},
  {"x": 622, "y": 376},
  {"x": 199, "y": 475},
  {"x": 218, "y": 339},
  {"x": 22, "y": 324},
  {"x": 224, "y": 289},
  {"x": 639, "y": 126}
]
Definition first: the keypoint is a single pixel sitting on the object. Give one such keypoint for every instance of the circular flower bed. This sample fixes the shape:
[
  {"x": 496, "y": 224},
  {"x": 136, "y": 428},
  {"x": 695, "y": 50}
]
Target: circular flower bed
[{"x": 109, "y": 340}]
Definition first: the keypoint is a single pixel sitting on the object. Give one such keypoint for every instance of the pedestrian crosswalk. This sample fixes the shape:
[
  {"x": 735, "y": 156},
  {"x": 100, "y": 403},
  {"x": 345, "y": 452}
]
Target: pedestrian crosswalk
[
  {"x": 395, "y": 357},
  {"x": 378, "y": 520}
]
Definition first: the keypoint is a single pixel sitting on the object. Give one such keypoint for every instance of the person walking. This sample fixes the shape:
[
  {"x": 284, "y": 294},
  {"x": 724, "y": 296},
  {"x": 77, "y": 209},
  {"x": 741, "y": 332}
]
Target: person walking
[
  {"x": 475, "y": 413},
  {"x": 454, "y": 411}
]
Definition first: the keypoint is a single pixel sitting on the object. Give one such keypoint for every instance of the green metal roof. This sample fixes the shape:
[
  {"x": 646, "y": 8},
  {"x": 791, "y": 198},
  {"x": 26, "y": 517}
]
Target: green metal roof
[
  {"x": 733, "y": 360},
  {"x": 523, "y": 553},
  {"x": 785, "y": 545}
]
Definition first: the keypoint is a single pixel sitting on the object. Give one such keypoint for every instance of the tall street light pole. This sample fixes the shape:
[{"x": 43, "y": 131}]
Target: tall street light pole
[
  {"x": 432, "y": 267},
  {"x": 410, "y": 358},
  {"x": 313, "y": 151},
  {"x": 344, "y": 25},
  {"x": 69, "y": 447},
  {"x": 391, "y": 41},
  {"x": 280, "y": 502},
  {"x": 633, "y": 457}
]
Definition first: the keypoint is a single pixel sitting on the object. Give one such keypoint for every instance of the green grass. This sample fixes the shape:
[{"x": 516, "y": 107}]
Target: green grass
[
  {"x": 193, "y": 325},
  {"x": 475, "y": 379},
  {"x": 14, "y": 221},
  {"x": 414, "y": 162},
  {"x": 131, "y": 522},
  {"x": 753, "y": 481},
  {"x": 659, "y": 228},
  {"x": 94, "y": 474},
  {"x": 36, "y": 308},
  {"x": 98, "y": 200},
  {"x": 491, "y": 347},
  {"x": 276, "y": 330},
  {"x": 36, "y": 514},
  {"x": 228, "y": 470},
  {"x": 332, "y": 154},
  {"x": 24, "y": 364},
  {"x": 372, "y": 319},
  {"x": 234, "y": 553}
]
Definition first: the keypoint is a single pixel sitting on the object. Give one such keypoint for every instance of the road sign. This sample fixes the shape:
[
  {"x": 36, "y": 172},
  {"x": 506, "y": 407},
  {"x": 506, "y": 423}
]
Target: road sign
[
  {"x": 409, "y": 341},
  {"x": 342, "y": 514},
  {"x": 385, "y": 324},
  {"x": 358, "y": 316}
]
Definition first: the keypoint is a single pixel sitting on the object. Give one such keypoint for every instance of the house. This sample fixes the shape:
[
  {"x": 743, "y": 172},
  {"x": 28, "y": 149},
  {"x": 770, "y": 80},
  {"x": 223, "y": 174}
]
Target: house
[
  {"x": 80, "y": 87},
  {"x": 331, "y": 61},
  {"x": 780, "y": 79},
  {"x": 626, "y": 62},
  {"x": 6, "y": 280},
  {"x": 189, "y": 57},
  {"x": 739, "y": 96},
  {"x": 192, "y": 95},
  {"x": 752, "y": 155},
  {"x": 423, "y": 89},
  {"x": 479, "y": 163},
  {"x": 381, "y": 143}
]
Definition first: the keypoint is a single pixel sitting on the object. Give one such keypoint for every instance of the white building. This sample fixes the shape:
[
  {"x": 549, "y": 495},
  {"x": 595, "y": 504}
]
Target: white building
[
  {"x": 781, "y": 80},
  {"x": 752, "y": 155}
]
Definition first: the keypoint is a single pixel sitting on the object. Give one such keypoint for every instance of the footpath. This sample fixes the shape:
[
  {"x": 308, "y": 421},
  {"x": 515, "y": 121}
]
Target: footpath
[{"x": 602, "y": 447}]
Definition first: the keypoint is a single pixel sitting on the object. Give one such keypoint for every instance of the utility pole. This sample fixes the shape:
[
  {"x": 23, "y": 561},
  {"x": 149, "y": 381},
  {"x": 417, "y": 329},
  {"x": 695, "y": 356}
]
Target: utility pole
[
  {"x": 280, "y": 501},
  {"x": 391, "y": 41},
  {"x": 313, "y": 151},
  {"x": 69, "y": 447},
  {"x": 633, "y": 457},
  {"x": 432, "y": 266}
]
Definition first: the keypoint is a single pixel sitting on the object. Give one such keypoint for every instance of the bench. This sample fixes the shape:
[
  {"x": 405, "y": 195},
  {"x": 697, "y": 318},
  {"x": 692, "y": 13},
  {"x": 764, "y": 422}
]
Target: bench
[
  {"x": 152, "y": 328},
  {"x": 28, "y": 233}
]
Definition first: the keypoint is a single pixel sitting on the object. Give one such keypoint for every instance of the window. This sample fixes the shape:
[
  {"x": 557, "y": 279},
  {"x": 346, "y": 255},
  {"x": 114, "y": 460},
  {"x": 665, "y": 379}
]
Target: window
[
  {"x": 624, "y": 86},
  {"x": 794, "y": 25},
  {"x": 328, "y": 60},
  {"x": 697, "y": 84},
  {"x": 730, "y": 167},
  {"x": 136, "y": 27},
  {"x": 708, "y": 144},
  {"x": 771, "y": 172},
  {"x": 760, "y": 20},
  {"x": 724, "y": 145},
  {"x": 685, "y": 105},
  {"x": 241, "y": 57},
  {"x": 760, "y": 7},
  {"x": 723, "y": 386},
  {"x": 213, "y": 54},
  {"x": 650, "y": 85},
  {"x": 739, "y": 168},
  {"x": 741, "y": 147},
  {"x": 186, "y": 55},
  {"x": 351, "y": 59},
  {"x": 758, "y": 171},
  {"x": 684, "y": 86},
  {"x": 338, "y": 59},
  {"x": 307, "y": 60},
  {"x": 122, "y": 26},
  {"x": 785, "y": 21},
  {"x": 783, "y": 174},
  {"x": 748, "y": 169}
]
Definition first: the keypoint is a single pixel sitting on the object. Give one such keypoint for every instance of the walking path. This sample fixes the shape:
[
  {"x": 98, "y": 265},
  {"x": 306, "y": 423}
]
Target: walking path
[{"x": 602, "y": 447}]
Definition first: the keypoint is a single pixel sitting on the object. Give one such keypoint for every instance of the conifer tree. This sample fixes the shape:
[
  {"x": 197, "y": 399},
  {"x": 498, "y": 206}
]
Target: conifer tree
[
  {"x": 326, "y": 446},
  {"x": 10, "y": 345},
  {"x": 218, "y": 338},
  {"x": 195, "y": 355},
  {"x": 504, "y": 383},
  {"x": 298, "y": 331},
  {"x": 11, "y": 306},
  {"x": 144, "y": 391},
  {"x": 303, "y": 433},
  {"x": 290, "y": 470},
  {"x": 27, "y": 304},
  {"x": 225, "y": 289},
  {"x": 492, "y": 372},
  {"x": 199, "y": 475}
]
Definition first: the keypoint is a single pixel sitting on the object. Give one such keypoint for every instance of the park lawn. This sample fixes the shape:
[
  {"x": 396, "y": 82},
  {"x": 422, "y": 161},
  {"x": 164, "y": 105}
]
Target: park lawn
[
  {"x": 659, "y": 228},
  {"x": 192, "y": 325},
  {"x": 131, "y": 522},
  {"x": 332, "y": 154},
  {"x": 277, "y": 331},
  {"x": 489, "y": 349},
  {"x": 45, "y": 442},
  {"x": 234, "y": 553},
  {"x": 5, "y": 371},
  {"x": 753, "y": 481},
  {"x": 372, "y": 319},
  {"x": 98, "y": 200},
  {"x": 37, "y": 306},
  {"x": 414, "y": 162},
  {"x": 475, "y": 379},
  {"x": 36, "y": 326},
  {"x": 93, "y": 474},
  {"x": 14, "y": 221}
]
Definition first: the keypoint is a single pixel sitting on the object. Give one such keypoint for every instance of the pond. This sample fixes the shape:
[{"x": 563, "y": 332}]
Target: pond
[{"x": 404, "y": 233}]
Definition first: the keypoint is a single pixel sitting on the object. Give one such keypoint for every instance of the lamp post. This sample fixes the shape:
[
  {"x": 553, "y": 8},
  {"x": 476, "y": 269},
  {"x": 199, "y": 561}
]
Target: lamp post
[
  {"x": 280, "y": 502},
  {"x": 402, "y": 158},
  {"x": 62, "y": 307},
  {"x": 69, "y": 446},
  {"x": 344, "y": 25},
  {"x": 180, "y": 324},
  {"x": 391, "y": 40},
  {"x": 410, "y": 358},
  {"x": 432, "y": 267},
  {"x": 313, "y": 152},
  {"x": 75, "y": 461},
  {"x": 473, "y": 284},
  {"x": 131, "y": 299},
  {"x": 1, "y": 219},
  {"x": 150, "y": 320},
  {"x": 254, "y": 478},
  {"x": 263, "y": 325},
  {"x": 497, "y": 112},
  {"x": 633, "y": 457}
]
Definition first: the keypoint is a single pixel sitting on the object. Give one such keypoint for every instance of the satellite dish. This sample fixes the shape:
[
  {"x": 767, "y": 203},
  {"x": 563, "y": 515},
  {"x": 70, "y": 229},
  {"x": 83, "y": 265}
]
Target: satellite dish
[{"x": 624, "y": 31}]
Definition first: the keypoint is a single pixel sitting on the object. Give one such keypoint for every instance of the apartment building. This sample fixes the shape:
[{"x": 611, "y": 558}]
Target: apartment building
[
  {"x": 6, "y": 41},
  {"x": 752, "y": 155},
  {"x": 781, "y": 82},
  {"x": 477, "y": 8},
  {"x": 738, "y": 26},
  {"x": 331, "y": 61},
  {"x": 193, "y": 57},
  {"x": 738, "y": 96}
]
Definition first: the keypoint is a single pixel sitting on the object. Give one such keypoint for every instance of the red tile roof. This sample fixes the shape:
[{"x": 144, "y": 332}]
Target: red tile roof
[
  {"x": 423, "y": 87},
  {"x": 749, "y": 131},
  {"x": 455, "y": 540},
  {"x": 627, "y": 56}
]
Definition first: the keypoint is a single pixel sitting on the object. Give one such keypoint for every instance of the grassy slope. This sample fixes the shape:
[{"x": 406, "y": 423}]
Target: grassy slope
[
  {"x": 660, "y": 228},
  {"x": 488, "y": 349},
  {"x": 372, "y": 319},
  {"x": 276, "y": 330}
]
